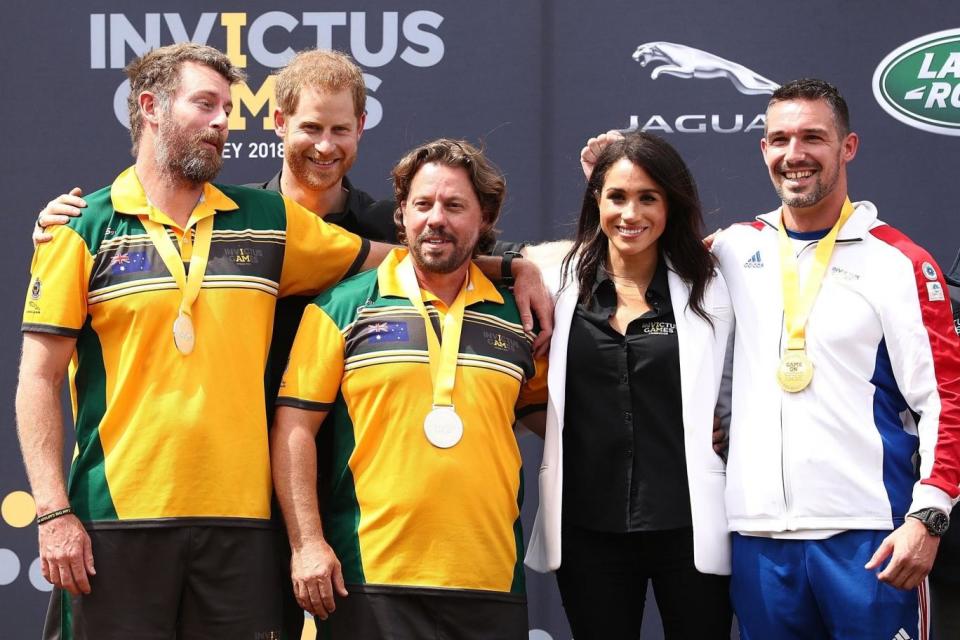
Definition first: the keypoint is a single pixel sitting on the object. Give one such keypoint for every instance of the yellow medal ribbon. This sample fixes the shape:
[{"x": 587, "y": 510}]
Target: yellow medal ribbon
[
  {"x": 184, "y": 336},
  {"x": 442, "y": 426},
  {"x": 796, "y": 370}
]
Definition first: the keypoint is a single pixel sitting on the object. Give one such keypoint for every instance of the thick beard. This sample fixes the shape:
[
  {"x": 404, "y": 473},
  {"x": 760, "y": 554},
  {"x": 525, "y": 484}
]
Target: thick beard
[
  {"x": 448, "y": 264},
  {"x": 186, "y": 158}
]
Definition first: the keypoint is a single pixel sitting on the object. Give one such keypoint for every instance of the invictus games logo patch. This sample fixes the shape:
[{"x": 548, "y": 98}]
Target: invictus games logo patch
[
  {"x": 918, "y": 83},
  {"x": 35, "y": 289},
  {"x": 658, "y": 328},
  {"x": 498, "y": 341}
]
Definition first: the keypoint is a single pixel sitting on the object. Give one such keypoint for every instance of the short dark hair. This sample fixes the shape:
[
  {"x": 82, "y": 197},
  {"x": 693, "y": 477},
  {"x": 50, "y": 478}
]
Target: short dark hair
[
  {"x": 488, "y": 182},
  {"x": 815, "y": 89}
]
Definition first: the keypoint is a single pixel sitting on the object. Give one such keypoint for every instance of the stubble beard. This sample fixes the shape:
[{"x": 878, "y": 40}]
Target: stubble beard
[{"x": 819, "y": 192}]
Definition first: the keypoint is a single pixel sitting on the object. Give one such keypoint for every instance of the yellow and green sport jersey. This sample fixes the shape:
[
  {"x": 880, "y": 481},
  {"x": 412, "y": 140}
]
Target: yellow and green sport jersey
[
  {"x": 403, "y": 513},
  {"x": 162, "y": 436}
]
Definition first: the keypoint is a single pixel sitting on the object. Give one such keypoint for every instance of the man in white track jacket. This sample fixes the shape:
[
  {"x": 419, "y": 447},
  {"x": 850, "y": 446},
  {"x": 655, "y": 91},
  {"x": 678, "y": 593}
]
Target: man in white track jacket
[{"x": 844, "y": 453}]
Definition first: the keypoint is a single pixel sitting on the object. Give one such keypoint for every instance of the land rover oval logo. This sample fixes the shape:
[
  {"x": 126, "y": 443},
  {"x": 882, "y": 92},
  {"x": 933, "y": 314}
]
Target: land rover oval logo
[{"x": 918, "y": 83}]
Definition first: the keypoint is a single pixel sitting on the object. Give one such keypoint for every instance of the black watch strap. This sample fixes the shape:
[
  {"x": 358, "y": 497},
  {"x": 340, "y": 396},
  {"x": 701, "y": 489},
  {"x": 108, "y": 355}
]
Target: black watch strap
[
  {"x": 936, "y": 521},
  {"x": 506, "y": 268}
]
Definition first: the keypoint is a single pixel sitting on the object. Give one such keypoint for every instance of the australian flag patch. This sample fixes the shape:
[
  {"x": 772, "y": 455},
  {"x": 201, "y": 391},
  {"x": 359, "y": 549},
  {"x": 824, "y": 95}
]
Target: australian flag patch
[
  {"x": 386, "y": 332},
  {"x": 129, "y": 262}
]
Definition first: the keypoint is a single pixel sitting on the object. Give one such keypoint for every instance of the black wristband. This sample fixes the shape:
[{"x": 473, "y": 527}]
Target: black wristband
[
  {"x": 506, "y": 270},
  {"x": 53, "y": 515}
]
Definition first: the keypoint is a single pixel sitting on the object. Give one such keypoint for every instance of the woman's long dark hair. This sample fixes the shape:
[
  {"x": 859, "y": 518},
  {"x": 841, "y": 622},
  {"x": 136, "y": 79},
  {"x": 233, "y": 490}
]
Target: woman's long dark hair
[{"x": 681, "y": 241}]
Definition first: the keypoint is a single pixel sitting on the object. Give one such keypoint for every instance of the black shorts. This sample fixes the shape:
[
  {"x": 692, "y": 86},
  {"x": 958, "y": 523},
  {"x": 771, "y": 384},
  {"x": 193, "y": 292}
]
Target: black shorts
[
  {"x": 184, "y": 582},
  {"x": 426, "y": 614}
]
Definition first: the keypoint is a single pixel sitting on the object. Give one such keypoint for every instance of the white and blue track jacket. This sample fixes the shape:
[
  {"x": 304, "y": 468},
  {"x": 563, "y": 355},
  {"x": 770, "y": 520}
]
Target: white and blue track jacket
[{"x": 876, "y": 435}]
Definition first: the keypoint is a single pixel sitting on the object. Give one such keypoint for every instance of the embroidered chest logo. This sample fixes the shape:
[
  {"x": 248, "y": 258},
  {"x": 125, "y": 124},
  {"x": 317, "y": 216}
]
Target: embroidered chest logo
[
  {"x": 843, "y": 274},
  {"x": 754, "y": 262},
  {"x": 499, "y": 341},
  {"x": 658, "y": 328},
  {"x": 243, "y": 255}
]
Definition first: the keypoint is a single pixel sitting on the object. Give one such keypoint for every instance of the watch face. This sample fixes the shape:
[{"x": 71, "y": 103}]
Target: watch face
[{"x": 938, "y": 523}]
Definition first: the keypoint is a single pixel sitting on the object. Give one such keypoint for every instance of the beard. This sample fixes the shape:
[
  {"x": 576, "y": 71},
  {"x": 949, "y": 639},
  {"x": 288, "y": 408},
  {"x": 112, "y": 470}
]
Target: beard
[
  {"x": 186, "y": 157},
  {"x": 439, "y": 263},
  {"x": 310, "y": 175},
  {"x": 823, "y": 186}
]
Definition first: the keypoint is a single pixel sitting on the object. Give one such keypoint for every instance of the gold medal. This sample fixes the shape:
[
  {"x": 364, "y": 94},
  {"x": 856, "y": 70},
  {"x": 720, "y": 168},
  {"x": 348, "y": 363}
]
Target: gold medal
[
  {"x": 443, "y": 427},
  {"x": 795, "y": 371},
  {"x": 183, "y": 335}
]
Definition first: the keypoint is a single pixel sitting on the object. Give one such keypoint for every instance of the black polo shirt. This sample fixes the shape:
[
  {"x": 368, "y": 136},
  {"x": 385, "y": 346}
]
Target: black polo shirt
[
  {"x": 623, "y": 452},
  {"x": 364, "y": 216}
]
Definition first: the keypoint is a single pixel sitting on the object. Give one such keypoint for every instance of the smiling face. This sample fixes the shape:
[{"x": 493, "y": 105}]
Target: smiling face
[
  {"x": 320, "y": 138},
  {"x": 633, "y": 211},
  {"x": 192, "y": 125},
  {"x": 806, "y": 154},
  {"x": 442, "y": 218}
]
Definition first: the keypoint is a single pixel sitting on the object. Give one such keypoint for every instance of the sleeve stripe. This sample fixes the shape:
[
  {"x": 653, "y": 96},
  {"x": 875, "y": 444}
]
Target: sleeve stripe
[
  {"x": 945, "y": 348},
  {"x": 360, "y": 259},
  {"x": 298, "y": 403},
  {"x": 31, "y": 327}
]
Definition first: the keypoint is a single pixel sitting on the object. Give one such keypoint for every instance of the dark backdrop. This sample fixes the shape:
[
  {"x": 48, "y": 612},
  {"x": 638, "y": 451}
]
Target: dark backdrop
[{"x": 531, "y": 80}]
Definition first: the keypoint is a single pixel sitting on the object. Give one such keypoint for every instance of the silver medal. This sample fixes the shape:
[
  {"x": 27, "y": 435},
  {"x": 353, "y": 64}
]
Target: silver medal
[{"x": 443, "y": 427}]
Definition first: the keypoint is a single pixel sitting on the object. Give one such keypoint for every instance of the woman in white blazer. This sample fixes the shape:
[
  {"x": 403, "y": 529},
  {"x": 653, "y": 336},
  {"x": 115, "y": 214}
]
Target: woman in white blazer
[{"x": 646, "y": 499}]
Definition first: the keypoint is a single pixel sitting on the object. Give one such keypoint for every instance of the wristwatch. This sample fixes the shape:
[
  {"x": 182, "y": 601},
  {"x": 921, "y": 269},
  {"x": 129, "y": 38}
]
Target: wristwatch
[
  {"x": 506, "y": 270},
  {"x": 934, "y": 520}
]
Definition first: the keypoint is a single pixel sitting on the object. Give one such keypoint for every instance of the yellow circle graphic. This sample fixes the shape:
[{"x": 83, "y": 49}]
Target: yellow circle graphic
[{"x": 18, "y": 509}]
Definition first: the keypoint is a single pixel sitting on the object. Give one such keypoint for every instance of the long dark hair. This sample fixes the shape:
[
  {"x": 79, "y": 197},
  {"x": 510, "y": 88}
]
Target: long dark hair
[{"x": 681, "y": 241}]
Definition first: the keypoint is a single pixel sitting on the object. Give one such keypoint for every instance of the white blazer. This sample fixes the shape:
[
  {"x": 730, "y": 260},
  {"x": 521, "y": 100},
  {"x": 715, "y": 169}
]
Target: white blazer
[{"x": 701, "y": 367}]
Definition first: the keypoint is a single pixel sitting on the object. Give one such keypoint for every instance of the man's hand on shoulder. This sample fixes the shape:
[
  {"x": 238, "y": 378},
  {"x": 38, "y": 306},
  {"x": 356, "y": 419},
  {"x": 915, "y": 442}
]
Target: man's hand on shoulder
[
  {"x": 533, "y": 299},
  {"x": 58, "y": 211},
  {"x": 911, "y": 550},
  {"x": 66, "y": 555},
  {"x": 316, "y": 574}
]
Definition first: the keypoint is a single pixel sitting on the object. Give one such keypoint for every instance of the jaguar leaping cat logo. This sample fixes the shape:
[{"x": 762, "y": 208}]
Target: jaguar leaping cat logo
[{"x": 686, "y": 62}]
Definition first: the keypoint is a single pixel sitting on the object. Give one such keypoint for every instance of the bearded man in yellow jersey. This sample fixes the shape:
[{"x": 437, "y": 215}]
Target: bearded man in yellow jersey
[{"x": 423, "y": 366}]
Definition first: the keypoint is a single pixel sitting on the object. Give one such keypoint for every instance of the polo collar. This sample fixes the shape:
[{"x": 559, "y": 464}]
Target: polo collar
[
  {"x": 479, "y": 287},
  {"x": 128, "y": 197}
]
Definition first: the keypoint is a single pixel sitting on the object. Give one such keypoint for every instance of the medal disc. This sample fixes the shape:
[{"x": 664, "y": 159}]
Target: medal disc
[
  {"x": 443, "y": 427},
  {"x": 183, "y": 336},
  {"x": 795, "y": 371}
]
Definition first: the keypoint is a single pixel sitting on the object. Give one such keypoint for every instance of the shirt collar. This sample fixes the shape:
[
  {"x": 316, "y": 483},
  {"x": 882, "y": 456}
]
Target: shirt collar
[
  {"x": 479, "y": 287},
  {"x": 350, "y": 209},
  {"x": 856, "y": 228},
  {"x": 659, "y": 286},
  {"x": 128, "y": 197}
]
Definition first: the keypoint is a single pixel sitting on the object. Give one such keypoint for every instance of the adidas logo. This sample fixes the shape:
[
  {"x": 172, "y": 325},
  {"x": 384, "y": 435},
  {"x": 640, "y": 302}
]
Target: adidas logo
[
  {"x": 755, "y": 262},
  {"x": 901, "y": 635}
]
